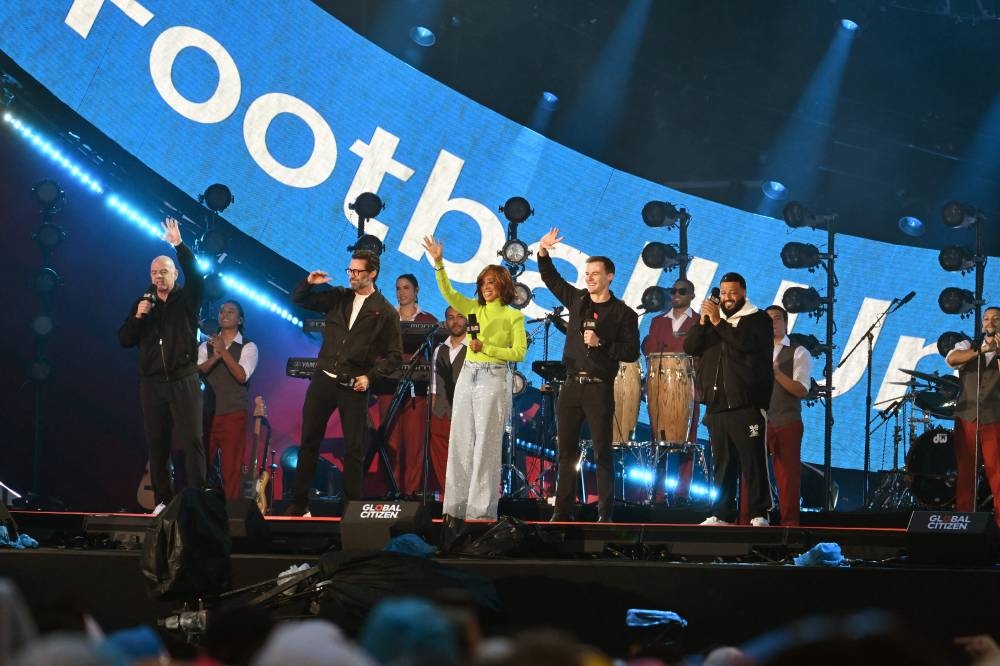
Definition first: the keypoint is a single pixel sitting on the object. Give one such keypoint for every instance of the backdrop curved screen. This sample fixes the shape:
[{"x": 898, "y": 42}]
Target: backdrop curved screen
[{"x": 298, "y": 114}]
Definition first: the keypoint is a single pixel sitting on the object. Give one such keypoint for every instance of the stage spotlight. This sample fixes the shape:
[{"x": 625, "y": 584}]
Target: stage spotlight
[
  {"x": 213, "y": 242},
  {"x": 773, "y": 189},
  {"x": 46, "y": 281},
  {"x": 947, "y": 341},
  {"x": 809, "y": 342},
  {"x": 42, "y": 325},
  {"x": 797, "y": 215},
  {"x": 522, "y": 296},
  {"x": 48, "y": 236},
  {"x": 215, "y": 289},
  {"x": 41, "y": 370},
  {"x": 514, "y": 252},
  {"x": 517, "y": 210},
  {"x": 663, "y": 214},
  {"x": 958, "y": 215},
  {"x": 216, "y": 197},
  {"x": 550, "y": 101},
  {"x": 660, "y": 255},
  {"x": 953, "y": 300},
  {"x": 655, "y": 299},
  {"x": 802, "y": 300},
  {"x": 49, "y": 196},
  {"x": 800, "y": 255},
  {"x": 955, "y": 258},
  {"x": 911, "y": 226},
  {"x": 422, "y": 36},
  {"x": 367, "y": 205},
  {"x": 370, "y": 243},
  {"x": 848, "y": 24}
]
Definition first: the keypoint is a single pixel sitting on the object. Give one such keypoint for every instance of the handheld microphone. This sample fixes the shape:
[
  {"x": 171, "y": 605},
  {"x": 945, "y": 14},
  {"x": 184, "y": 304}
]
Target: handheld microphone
[
  {"x": 716, "y": 298},
  {"x": 150, "y": 294},
  {"x": 589, "y": 324},
  {"x": 473, "y": 325}
]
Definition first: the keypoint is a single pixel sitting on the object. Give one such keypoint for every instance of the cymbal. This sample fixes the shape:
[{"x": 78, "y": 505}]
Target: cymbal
[
  {"x": 934, "y": 379},
  {"x": 911, "y": 383}
]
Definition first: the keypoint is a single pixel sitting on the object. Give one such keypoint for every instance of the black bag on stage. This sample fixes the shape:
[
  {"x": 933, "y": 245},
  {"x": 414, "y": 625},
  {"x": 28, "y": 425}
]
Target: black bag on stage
[{"x": 185, "y": 552}]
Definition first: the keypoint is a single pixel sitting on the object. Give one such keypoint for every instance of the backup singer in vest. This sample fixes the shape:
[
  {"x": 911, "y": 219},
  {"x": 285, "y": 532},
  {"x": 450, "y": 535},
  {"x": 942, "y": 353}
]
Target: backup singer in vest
[
  {"x": 361, "y": 343},
  {"x": 978, "y": 408},
  {"x": 446, "y": 366},
  {"x": 226, "y": 361},
  {"x": 735, "y": 378},
  {"x": 163, "y": 324},
  {"x": 601, "y": 332},
  {"x": 405, "y": 443},
  {"x": 483, "y": 391},
  {"x": 792, "y": 371},
  {"x": 666, "y": 335}
]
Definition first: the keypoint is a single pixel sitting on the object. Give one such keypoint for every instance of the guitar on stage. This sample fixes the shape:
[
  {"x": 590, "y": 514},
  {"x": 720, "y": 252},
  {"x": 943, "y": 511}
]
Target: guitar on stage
[{"x": 258, "y": 489}]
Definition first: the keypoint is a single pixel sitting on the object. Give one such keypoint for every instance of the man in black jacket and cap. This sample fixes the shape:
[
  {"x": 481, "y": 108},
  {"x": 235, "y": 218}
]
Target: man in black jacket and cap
[
  {"x": 602, "y": 331},
  {"x": 735, "y": 378}
]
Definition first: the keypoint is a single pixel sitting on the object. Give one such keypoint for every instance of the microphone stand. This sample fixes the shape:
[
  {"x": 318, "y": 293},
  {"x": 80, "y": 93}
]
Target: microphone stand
[
  {"x": 426, "y": 345},
  {"x": 869, "y": 337}
]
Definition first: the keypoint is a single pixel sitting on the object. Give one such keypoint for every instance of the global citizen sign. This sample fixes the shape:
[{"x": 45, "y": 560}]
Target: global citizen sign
[{"x": 381, "y": 511}]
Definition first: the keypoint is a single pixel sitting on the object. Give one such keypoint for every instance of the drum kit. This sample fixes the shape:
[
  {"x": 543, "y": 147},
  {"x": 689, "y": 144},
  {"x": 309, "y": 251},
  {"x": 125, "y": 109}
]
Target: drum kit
[{"x": 928, "y": 477}]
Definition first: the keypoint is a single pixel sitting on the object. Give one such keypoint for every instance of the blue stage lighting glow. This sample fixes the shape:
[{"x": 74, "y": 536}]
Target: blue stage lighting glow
[
  {"x": 550, "y": 100},
  {"x": 774, "y": 189},
  {"x": 641, "y": 474},
  {"x": 135, "y": 217},
  {"x": 261, "y": 299},
  {"x": 49, "y": 150},
  {"x": 848, "y": 24},
  {"x": 422, "y": 36},
  {"x": 911, "y": 226},
  {"x": 671, "y": 483}
]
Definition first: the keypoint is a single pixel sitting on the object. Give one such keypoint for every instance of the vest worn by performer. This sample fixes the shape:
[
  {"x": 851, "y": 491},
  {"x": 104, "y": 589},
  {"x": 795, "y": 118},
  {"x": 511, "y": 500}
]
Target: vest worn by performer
[
  {"x": 785, "y": 408},
  {"x": 446, "y": 374},
  {"x": 988, "y": 392},
  {"x": 223, "y": 394}
]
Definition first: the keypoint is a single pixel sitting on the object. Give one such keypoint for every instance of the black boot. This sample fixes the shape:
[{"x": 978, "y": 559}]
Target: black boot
[{"x": 453, "y": 534}]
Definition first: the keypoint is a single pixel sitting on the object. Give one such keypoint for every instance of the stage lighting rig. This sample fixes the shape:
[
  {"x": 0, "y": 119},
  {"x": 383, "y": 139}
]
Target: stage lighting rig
[
  {"x": 797, "y": 215},
  {"x": 661, "y": 255},
  {"x": 50, "y": 196},
  {"x": 962, "y": 302},
  {"x": 515, "y": 251},
  {"x": 664, "y": 214},
  {"x": 956, "y": 258},
  {"x": 952, "y": 300},
  {"x": 216, "y": 197},
  {"x": 367, "y": 205},
  {"x": 947, "y": 341}
]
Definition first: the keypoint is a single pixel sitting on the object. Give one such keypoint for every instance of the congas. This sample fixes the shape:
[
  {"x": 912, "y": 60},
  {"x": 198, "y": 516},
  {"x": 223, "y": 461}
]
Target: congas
[
  {"x": 670, "y": 394},
  {"x": 627, "y": 388},
  {"x": 930, "y": 468}
]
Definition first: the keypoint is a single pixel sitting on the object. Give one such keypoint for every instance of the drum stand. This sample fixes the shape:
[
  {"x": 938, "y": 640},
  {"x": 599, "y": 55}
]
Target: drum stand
[
  {"x": 893, "y": 493},
  {"x": 513, "y": 482}
]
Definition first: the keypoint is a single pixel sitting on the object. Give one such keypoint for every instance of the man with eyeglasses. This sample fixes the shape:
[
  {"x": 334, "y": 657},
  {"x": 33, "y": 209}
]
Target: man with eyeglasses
[
  {"x": 666, "y": 336},
  {"x": 735, "y": 378},
  {"x": 163, "y": 324},
  {"x": 362, "y": 341}
]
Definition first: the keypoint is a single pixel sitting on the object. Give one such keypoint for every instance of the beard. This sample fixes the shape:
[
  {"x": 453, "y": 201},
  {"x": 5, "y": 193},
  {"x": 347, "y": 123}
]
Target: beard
[{"x": 729, "y": 311}]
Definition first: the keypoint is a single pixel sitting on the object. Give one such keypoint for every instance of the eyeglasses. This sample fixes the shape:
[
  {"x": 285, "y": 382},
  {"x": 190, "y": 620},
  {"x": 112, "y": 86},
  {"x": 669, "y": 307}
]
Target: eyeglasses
[
  {"x": 680, "y": 291},
  {"x": 355, "y": 272}
]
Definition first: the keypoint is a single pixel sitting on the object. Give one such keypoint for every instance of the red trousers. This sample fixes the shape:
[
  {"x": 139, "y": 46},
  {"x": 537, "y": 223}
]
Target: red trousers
[
  {"x": 440, "y": 430},
  {"x": 227, "y": 432},
  {"x": 965, "y": 448},
  {"x": 406, "y": 442},
  {"x": 784, "y": 443}
]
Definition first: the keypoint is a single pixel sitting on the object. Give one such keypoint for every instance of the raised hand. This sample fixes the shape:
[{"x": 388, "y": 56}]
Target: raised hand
[
  {"x": 434, "y": 248},
  {"x": 318, "y": 277},
  {"x": 549, "y": 240},
  {"x": 171, "y": 232}
]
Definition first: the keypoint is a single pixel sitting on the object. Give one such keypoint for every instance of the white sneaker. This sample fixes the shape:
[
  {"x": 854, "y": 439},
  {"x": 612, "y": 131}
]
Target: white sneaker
[
  {"x": 759, "y": 521},
  {"x": 307, "y": 514},
  {"x": 159, "y": 508},
  {"x": 712, "y": 520}
]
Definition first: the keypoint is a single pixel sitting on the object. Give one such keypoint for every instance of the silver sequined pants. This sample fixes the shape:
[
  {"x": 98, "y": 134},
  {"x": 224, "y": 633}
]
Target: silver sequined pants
[{"x": 478, "y": 419}]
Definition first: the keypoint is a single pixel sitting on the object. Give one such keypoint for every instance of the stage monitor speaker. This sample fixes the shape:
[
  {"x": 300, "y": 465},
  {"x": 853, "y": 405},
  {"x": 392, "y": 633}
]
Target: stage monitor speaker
[
  {"x": 952, "y": 538},
  {"x": 368, "y": 525},
  {"x": 246, "y": 521}
]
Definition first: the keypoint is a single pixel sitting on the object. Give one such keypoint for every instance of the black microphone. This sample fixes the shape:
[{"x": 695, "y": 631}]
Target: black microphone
[
  {"x": 473, "y": 326},
  {"x": 715, "y": 297},
  {"x": 906, "y": 299},
  {"x": 150, "y": 294},
  {"x": 589, "y": 324}
]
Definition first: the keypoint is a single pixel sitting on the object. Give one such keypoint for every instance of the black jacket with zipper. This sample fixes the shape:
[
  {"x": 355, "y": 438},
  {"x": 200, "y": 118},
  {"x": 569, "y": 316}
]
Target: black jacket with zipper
[
  {"x": 167, "y": 337},
  {"x": 372, "y": 347},
  {"x": 735, "y": 358}
]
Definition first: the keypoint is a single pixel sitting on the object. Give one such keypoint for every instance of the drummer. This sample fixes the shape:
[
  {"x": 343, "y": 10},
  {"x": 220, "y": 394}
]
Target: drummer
[
  {"x": 978, "y": 408},
  {"x": 666, "y": 335},
  {"x": 602, "y": 332}
]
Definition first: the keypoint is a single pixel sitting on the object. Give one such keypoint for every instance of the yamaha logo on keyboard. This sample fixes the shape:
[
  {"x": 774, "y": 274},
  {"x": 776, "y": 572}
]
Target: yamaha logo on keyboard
[{"x": 381, "y": 511}]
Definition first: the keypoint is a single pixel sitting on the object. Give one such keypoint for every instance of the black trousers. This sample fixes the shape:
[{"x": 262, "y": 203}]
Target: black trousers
[
  {"x": 173, "y": 409},
  {"x": 596, "y": 404},
  {"x": 322, "y": 397},
  {"x": 737, "y": 440}
]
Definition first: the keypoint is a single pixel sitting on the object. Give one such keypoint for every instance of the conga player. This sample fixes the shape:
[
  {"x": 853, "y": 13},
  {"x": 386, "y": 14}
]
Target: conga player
[{"x": 602, "y": 331}]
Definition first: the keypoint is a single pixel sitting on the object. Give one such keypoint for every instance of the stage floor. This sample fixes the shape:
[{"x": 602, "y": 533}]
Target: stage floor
[{"x": 729, "y": 583}]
